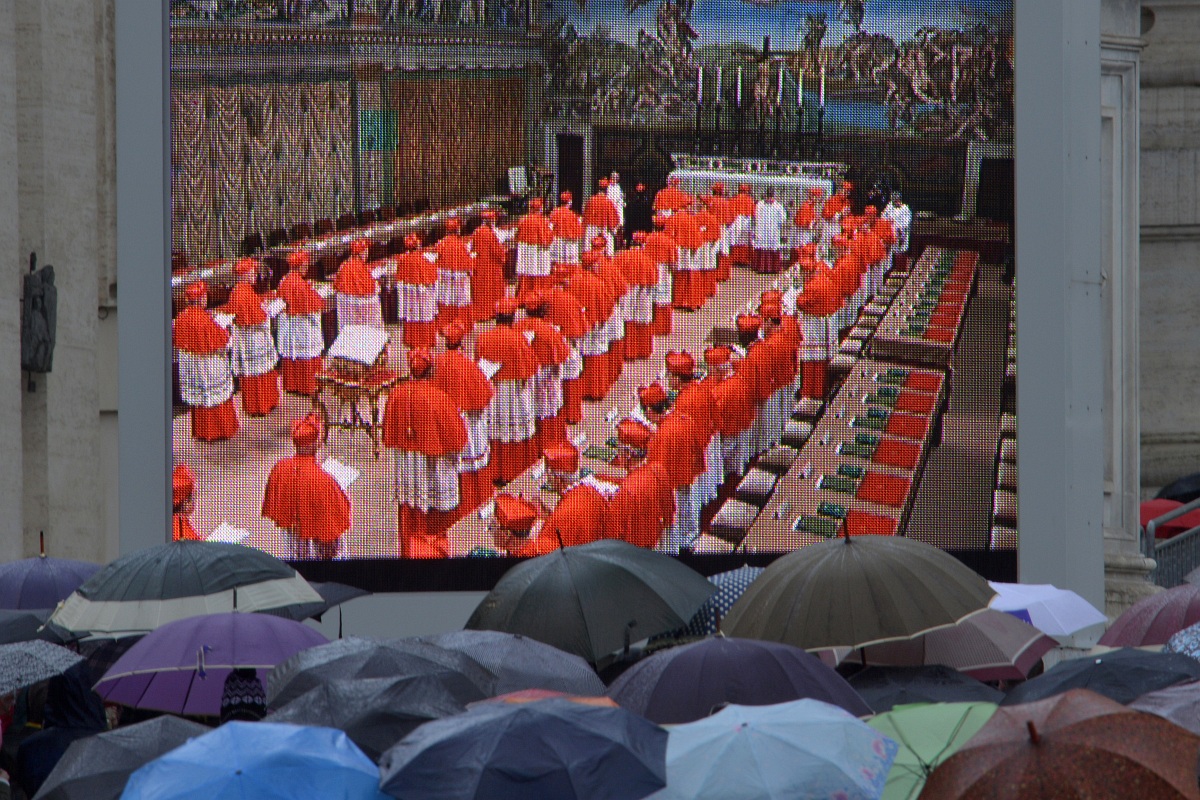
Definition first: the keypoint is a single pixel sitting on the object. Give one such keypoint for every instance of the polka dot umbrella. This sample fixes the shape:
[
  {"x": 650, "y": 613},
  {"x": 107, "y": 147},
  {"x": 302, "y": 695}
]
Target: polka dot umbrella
[{"x": 730, "y": 586}]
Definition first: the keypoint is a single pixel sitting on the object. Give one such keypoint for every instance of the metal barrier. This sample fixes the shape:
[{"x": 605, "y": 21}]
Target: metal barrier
[{"x": 1174, "y": 557}]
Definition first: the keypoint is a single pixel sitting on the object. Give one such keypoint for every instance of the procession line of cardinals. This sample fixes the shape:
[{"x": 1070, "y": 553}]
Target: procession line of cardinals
[{"x": 463, "y": 425}]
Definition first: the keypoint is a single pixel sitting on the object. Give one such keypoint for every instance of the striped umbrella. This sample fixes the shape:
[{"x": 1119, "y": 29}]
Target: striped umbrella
[{"x": 140, "y": 592}]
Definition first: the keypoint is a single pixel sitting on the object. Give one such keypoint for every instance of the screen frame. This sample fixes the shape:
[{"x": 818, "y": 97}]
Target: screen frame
[{"x": 1058, "y": 218}]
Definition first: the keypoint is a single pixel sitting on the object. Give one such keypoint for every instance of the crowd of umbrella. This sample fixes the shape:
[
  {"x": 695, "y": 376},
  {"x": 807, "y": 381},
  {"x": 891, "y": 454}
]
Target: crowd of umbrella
[{"x": 857, "y": 668}]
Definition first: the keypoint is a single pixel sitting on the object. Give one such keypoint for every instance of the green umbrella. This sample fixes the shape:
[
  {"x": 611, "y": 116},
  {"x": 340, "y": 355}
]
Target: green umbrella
[{"x": 928, "y": 734}]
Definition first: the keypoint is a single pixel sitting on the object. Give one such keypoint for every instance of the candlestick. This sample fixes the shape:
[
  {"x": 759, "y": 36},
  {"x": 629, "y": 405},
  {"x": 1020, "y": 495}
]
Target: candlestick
[
  {"x": 718, "y": 85},
  {"x": 739, "y": 87},
  {"x": 822, "y": 86},
  {"x": 700, "y": 86},
  {"x": 800, "y": 90},
  {"x": 779, "y": 91}
]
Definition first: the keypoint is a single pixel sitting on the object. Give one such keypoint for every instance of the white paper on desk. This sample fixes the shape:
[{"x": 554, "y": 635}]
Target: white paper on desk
[
  {"x": 489, "y": 368},
  {"x": 228, "y": 534},
  {"x": 488, "y": 510},
  {"x": 343, "y": 474},
  {"x": 324, "y": 290},
  {"x": 430, "y": 257},
  {"x": 361, "y": 343},
  {"x": 222, "y": 319},
  {"x": 275, "y": 307}
]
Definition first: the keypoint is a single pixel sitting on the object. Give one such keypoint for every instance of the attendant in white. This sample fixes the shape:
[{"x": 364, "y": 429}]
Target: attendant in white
[
  {"x": 769, "y": 219},
  {"x": 205, "y": 379},
  {"x": 617, "y": 195},
  {"x": 901, "y": 217}
]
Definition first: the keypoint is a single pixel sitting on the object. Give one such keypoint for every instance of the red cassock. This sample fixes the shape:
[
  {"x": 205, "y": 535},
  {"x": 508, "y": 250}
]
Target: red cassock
[
  {"x": 733, "y": 398},
  {"x": 600, "y": 212},
  {"x": 203, "y": 342},
  {"x": 710, "y": 231},
  {"x": 678, "y": 445},
  {"x": 533, "y": 240},
  {"x": 592, "y": 293},
  {"x": 301, "y": 300},
  {"x": 722, "y": 209},
  {"x": 643, "y": 507},
  {"x": 487, "y": 277},
  {"x": 260, "y": 393},
  {"x": 687, "y": 285},
  {"x": 426, "y": 429},
  {"x": 354, "y": 278},
  {"x": 579, "y": 518},
  {"x": 742, "y": 205},
  {"x": 568, "y": 233},
  {"x": 513, "y": 417},
  {"x": 454, "y": 266},
  {"x": 805, "y": 215},
  {"x": 642, "y": 277},
  {"x": 416, "y": 298},
  {"x": 565, "y": 312},
  {"x": 552, "y": 351},
  {"x": 306, "y": 501},
  {"x": 466, "y": 385},
  {"x": 665, "y": 254},
  {"x": 182, "y": 530},
  {"x": 618, "y": 287},
  {"x": 672, "y": 198},
  {"x": 696, "y": 400}
]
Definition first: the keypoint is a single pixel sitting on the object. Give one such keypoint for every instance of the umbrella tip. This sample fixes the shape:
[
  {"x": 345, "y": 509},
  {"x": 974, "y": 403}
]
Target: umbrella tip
[
  {"x": 42, "y": 543},
  {"x": 1034, "y": 736}
]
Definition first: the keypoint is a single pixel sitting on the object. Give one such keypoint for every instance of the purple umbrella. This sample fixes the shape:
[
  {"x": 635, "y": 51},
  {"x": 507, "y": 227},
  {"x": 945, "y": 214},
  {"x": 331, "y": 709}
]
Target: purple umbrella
[
  {"x": 1156, "y": 618},
  {"x": 41, "y": 582},
  {"x": 690, "y": 682},
  {"x": 182, "y": 666}
]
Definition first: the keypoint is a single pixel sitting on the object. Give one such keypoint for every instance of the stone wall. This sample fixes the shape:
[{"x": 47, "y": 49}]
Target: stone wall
[
  {"x": 57, "y": 199},
  {"x": 1170, "y": 240}
]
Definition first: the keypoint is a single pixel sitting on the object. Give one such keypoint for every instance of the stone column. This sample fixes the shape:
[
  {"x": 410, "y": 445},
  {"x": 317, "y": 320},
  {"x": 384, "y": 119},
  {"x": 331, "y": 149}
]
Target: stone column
[{"x": 1125, "y": 568}]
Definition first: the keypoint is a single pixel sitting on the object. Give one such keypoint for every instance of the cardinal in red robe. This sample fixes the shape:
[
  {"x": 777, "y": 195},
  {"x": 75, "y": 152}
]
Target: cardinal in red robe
[
  {"x": 301, "y": 342},
  {"x": 643, "y": 507},
  {"x": 183, "y": 488},
  {"x": 357, "y": 290},
  {"x": 464, "y": 383},
  {"x": 509, "y": 353},
  {"x": 487, "y": 275},
  {"x": 253, "y": 357},
  {"x": 416, "y": 293},
  {"x": 534, "y": 238},
  {"x": 205, "y": 379},
  {"x": 304, "y": 500}
]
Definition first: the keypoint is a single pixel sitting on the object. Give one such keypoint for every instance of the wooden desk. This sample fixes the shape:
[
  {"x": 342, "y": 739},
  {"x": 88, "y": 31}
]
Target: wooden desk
[
  {"x": 922, "y": 325},
  {"x": 346, "y": 394}
]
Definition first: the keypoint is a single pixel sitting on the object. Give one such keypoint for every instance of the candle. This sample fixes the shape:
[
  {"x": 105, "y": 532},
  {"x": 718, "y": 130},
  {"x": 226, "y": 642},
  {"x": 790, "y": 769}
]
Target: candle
[
  {"x": 700, "y": 86},
  {"x": 800, "y": 91},
  {"x": 739, "y": 87},
  {"x": 718, "y": 85},
  {"x": 822, "y": 86},
  {"x": 780, "y": 90}
]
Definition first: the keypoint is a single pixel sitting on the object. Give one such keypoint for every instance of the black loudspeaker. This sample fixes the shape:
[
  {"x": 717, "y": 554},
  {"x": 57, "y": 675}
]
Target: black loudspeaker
[{"x": 39, "y": 311}]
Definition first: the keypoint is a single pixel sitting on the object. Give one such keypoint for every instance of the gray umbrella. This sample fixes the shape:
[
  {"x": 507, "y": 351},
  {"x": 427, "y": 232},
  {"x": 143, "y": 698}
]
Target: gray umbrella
[
  {"x": 523, "y": 663},
  {"x": 378, "y": 712},
  {"x": 593, "y": 599},
  {"x": 144, "y": 590},
  {"x": 857, "y": 591},
  {"x": 26, "y": 663},
  {"x": 25, "y": 626},
  {"x": 97, "y": 768},
  {"x": 355, "y": 657}
]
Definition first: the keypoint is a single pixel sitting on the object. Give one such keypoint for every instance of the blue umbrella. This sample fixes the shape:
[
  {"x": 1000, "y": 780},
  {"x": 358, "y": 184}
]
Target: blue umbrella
[
  {"x": 730, "y": 586},
  {"x": 41, "y": 582},
  {"x": 260, "y": 761},
  {"x": 546, "y": 749},
  {"x": 805, "y": 748},
  {"x": 689, "y": 682}
]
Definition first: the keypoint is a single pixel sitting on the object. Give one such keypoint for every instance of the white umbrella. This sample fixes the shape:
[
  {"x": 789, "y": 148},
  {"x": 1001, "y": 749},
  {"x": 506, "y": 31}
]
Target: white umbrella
[{"x": 1053, "y": 611}]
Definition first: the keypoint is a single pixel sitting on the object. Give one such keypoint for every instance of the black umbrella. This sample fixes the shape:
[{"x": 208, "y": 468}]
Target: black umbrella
[
  {"x": 378, "y": 712},
  {"x": 333, "y": 594},
  {"x": 1122, "y": 675},
  {"x": 593, "y": 599},
  {"x": 140, "y": 592},
  {"x": 523, "y": 663},
  {"x": 355, "y": 657},
  {"x": 97, "y": 768},
  {"x": 25, "y": 626},
  {"x": 689, "y": 682},
  {"x": 885, "y": 687},
  {"x": 41, "y": 582},
  {"x": 1184, "y": 490}
]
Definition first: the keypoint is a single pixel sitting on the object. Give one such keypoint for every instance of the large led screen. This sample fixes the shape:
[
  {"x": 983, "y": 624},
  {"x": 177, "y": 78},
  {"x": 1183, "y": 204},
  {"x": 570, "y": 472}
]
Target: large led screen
[{"x": 457, "y": 280}]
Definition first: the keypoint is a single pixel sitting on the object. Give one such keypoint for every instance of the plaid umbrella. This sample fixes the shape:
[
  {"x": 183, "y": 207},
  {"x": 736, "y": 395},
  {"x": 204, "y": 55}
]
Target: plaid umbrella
[
  {"x": 26, "y": 663},
  {"x": 1077, "y": 744},
  {"x": 730, "y": 586}
]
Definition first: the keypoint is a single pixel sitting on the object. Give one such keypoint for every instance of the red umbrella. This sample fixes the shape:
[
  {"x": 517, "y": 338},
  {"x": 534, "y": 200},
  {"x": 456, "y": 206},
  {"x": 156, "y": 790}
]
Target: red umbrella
[
  {"x": 422, "y": 418},
  {"x": 1073, "y": 745},
  {"x": 1159, "y": 506},
  {"x": 1156, "y": 619}
]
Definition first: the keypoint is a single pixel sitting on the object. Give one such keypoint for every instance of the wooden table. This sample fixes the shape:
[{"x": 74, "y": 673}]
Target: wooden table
[
  {"x": 346, "y": 394},
  {"x": 837, "y": 442},
  {"x": 924, "y": 321}
]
